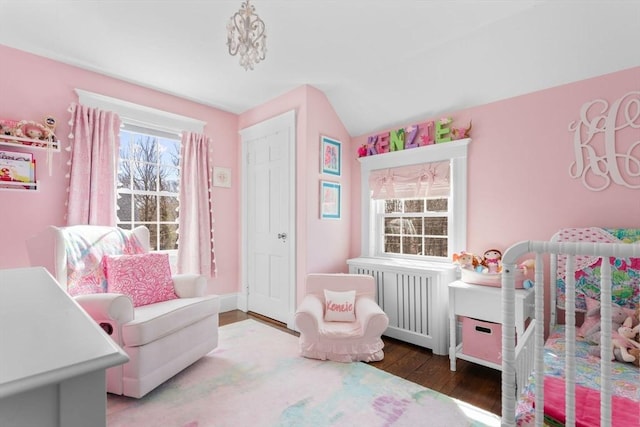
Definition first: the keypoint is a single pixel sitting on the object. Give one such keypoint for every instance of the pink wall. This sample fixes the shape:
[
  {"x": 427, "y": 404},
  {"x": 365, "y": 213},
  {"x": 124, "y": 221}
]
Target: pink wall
[
  {"x": 32, "y": 87},
  {"x": 519, "y": 159},
  {"x": 519, "y": 186},
  {"x": 322, "y": 246}
]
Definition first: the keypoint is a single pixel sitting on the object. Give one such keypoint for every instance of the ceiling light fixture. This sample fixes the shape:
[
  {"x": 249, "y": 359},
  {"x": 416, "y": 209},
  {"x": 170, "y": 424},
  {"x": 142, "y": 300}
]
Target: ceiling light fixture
[{"x": 246, "y": 36}]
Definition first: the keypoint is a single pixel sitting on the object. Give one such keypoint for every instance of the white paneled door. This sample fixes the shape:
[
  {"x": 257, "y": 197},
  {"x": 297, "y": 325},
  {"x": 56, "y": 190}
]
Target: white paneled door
[{"x": 270, "y": 217}]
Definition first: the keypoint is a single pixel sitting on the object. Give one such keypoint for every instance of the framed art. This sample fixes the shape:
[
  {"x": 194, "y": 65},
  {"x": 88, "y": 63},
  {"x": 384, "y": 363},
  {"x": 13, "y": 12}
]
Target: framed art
[
  {"x": 330, "y": 200},
  {"x": 330, "y": 156},
  {"x": 221, "y": 177}
]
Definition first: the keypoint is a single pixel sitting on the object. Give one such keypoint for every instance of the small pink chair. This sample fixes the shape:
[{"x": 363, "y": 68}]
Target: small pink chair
[{"x": 341, "y": 341}]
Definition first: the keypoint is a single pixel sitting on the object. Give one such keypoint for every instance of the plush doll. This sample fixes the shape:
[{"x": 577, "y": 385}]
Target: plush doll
[
  {"x": 465, "y": 260},
  {"x": 492, "y": 261}
]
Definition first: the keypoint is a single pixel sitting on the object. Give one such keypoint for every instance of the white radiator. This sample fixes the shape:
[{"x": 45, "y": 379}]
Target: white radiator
[{"x": 415, "y": 296}]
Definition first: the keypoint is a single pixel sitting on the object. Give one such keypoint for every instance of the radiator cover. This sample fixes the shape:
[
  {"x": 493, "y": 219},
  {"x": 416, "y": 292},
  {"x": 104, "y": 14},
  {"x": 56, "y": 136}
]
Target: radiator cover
[{"x": 415, "y": 296}]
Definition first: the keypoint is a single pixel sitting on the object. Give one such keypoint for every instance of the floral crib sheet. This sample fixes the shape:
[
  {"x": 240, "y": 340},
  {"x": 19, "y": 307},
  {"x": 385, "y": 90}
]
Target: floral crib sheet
[
  {"x": 625, "y": 278},
  {"x": 625, "y": 377}
]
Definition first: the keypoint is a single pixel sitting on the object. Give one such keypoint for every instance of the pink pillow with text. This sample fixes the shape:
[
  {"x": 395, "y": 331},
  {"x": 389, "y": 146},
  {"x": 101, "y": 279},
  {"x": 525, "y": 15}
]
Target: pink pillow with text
[
  {"x": 339, "y": 306},
  {"x": 146, "y": 278}
]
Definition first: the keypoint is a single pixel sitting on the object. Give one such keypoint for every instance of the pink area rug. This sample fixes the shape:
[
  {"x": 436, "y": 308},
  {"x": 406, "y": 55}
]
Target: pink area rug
[{"x": 256, "y": 378}]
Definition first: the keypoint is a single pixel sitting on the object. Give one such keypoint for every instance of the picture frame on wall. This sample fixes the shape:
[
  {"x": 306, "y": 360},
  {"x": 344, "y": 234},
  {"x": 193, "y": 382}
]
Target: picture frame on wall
[
  {"x": 330, "y": 200},
  {"x": 221, "y": 177},
  {"x": 330, "y": 156}
]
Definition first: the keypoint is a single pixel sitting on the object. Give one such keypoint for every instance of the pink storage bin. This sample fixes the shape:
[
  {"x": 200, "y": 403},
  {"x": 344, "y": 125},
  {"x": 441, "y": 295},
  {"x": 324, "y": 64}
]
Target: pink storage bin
[
  {"x": 493, "y": 279},
  {"x": 482, "y": 339}
]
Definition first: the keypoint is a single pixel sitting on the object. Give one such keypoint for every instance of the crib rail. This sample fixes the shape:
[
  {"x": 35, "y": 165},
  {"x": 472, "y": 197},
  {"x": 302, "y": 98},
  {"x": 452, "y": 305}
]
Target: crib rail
[{"x": 514, "y": 360}]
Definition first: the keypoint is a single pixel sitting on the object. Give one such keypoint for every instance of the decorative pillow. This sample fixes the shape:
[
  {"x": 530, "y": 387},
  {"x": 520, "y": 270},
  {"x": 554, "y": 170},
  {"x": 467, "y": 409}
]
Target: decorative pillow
[
  {"x": 146, "y": 278},
  {"x": 85, "y": 251},
  {"x": 339, "y": 306}
]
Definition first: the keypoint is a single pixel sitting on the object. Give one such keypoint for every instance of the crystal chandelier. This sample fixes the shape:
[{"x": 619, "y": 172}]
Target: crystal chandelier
[{"x": 245, "y": 35}]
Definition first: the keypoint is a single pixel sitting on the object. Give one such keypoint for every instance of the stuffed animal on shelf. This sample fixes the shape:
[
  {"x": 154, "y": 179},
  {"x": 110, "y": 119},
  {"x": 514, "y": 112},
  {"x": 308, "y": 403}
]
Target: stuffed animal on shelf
[{"x": 466, "y": 260}]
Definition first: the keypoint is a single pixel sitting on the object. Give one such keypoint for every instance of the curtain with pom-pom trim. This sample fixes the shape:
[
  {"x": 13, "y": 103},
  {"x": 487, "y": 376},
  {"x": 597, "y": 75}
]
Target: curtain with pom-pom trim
[
  {"x": 195, "y": 220},
  {"x": 94, "y": 155}
]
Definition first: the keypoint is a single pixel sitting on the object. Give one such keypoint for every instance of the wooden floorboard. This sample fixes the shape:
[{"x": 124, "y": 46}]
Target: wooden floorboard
[{"x": 475, "y": 384}]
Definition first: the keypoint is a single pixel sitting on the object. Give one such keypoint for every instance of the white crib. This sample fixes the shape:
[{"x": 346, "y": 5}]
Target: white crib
[{"x": 519, "y": 361}]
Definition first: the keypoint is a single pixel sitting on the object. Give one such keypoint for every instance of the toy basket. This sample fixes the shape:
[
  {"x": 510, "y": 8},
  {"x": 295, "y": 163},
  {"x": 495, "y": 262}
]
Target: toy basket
[{"x": 493, "y": 279}]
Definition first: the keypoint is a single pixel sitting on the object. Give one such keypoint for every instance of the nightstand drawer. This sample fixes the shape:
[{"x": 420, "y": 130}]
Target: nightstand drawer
[{"x": 478, "y": 304}]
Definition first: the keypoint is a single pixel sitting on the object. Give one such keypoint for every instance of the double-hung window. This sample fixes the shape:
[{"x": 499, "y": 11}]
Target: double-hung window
[
  {"x": 148, "y": 166},
  {"x": 414, "y": 202},
  {"x": 148, "y": 184}
]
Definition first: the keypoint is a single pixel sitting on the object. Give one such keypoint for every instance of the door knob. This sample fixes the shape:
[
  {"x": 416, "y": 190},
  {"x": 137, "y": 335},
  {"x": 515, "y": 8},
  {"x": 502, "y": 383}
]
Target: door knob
[{"x": 282, "y": 236}]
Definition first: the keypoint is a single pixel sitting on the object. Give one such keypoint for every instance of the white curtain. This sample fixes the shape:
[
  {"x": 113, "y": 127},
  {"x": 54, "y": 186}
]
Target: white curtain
[
  {"x": 94, "y": 155},
  {"x": 195, "y": 244},
  {"x": 414, "y": 181}
]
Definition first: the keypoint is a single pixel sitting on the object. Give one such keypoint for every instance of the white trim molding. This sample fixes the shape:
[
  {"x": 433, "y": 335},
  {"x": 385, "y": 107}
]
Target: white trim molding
[{"x": 140, "y": 115}]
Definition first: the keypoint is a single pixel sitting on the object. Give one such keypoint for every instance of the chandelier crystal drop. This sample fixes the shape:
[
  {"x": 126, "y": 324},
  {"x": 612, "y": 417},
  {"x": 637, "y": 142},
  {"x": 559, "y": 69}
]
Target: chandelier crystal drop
[{"x": 246, "y": 36}]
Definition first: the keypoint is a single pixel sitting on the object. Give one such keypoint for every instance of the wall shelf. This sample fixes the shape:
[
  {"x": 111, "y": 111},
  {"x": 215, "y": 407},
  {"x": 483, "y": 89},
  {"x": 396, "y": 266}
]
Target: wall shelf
[
  {"x": 15, "y": 185},
  {"x": 35, "y": 144}
]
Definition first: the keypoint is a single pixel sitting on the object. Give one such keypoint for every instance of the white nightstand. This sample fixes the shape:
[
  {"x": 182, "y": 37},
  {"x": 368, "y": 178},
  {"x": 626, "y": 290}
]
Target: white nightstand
[{"x": 483, "y": 303}]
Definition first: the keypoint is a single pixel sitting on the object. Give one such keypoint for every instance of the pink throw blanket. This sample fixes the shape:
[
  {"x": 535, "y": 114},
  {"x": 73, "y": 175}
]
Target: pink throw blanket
[{"x": 624, "y": 412}]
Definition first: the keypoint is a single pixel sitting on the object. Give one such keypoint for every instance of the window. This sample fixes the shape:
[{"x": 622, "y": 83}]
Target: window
[
  {"x": 417, "y": 226},
  {"x": 148, "y": 184},
  {"x": 414, "y": 202},
  {"x": 148, "y": 167}
]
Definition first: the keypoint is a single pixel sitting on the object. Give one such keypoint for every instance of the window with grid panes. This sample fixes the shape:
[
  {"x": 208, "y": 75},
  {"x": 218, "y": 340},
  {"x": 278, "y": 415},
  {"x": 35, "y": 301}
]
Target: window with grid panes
[
  {"x": 413, "y": 227},
  {"x": 148, "y": 184}
]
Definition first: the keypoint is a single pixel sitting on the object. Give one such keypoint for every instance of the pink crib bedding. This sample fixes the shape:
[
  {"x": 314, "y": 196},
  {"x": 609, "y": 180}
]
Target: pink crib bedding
[{"x": 625, "y": 377}]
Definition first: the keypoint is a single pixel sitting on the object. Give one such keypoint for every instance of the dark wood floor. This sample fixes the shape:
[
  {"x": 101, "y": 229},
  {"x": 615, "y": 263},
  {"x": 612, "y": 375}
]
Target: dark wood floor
[{"x": 477, "y": 385}]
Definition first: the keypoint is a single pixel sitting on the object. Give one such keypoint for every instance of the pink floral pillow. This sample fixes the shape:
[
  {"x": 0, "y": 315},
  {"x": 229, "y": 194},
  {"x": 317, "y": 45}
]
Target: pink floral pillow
[
  {"x": 146, "y": 278},
  {"x": 339, "y": 306}
]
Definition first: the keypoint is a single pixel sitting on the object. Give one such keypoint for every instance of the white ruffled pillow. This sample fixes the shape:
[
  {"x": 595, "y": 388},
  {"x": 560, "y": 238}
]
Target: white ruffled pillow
[{"x": 339, "y": 306}]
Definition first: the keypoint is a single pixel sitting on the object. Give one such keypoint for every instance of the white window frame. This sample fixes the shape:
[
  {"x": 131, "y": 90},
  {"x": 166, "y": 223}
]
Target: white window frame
[
  {"x": 456, "y": 152},
  {"x": 158, "y": 193},
  {"x": 379, "y": 233}
]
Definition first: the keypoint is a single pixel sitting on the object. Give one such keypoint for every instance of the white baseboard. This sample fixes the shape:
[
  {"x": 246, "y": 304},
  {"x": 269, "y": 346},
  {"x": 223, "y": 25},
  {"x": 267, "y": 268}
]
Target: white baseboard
[{"x": 228, "y": 302}]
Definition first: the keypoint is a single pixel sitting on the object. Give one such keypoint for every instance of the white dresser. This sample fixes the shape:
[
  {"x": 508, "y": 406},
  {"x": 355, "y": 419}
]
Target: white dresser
[{"x": 53, "y": 356}]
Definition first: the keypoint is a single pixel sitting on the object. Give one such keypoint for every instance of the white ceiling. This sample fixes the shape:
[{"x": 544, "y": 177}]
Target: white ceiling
[{"x": 381, "y": 63}]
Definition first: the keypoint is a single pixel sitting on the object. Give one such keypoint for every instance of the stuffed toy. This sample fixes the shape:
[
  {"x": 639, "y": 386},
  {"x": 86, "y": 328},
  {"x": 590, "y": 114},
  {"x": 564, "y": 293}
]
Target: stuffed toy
[
  {"x": 526, "y": 265},
  {"x": 635, "y": 352},
  {"x": 492, "y": 261},
  {"x": 625, "y": 348},
  {"x": 624, "y": 339},
  {"x": 590, "y": 329},
  {"x": 466, "y": 260}
]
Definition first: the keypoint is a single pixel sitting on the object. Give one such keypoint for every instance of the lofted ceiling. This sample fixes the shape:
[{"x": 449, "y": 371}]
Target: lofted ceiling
[{"x": 381, "y": 63}]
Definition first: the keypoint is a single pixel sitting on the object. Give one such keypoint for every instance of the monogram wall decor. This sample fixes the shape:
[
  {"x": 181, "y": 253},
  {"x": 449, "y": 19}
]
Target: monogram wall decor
[{"x": 606, "y": 143}]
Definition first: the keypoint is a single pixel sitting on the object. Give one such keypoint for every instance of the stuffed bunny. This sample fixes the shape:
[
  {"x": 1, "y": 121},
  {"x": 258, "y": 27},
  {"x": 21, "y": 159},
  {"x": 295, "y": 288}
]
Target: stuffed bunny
[{"x": 624, "y": 339}]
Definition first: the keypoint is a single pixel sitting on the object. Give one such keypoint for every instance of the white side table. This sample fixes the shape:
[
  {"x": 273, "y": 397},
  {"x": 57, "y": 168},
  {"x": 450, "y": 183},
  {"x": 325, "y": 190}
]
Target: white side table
[{"x": 483, "y": 303}]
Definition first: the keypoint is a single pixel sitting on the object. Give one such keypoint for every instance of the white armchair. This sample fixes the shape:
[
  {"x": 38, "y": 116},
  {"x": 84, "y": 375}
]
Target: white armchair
[
  {"x": 161, "y": 338},
  {"x": 352, "y": 341}
]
